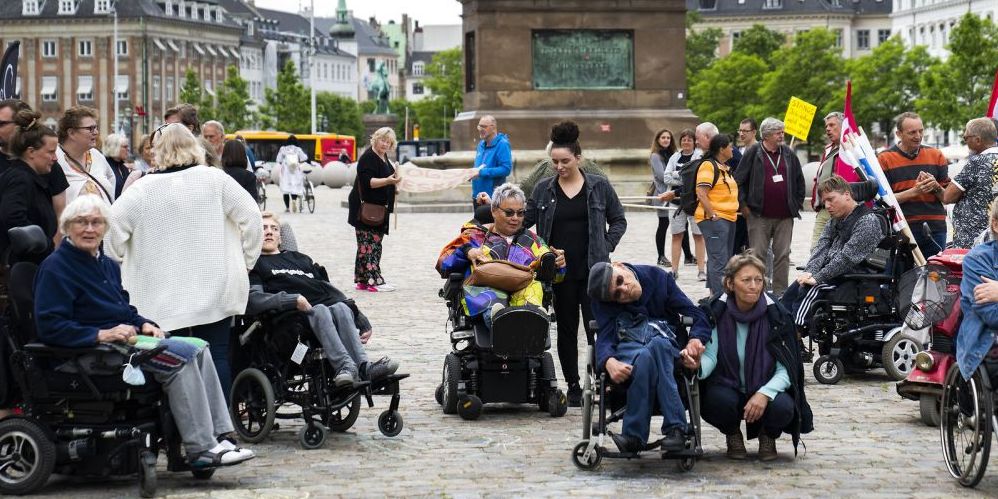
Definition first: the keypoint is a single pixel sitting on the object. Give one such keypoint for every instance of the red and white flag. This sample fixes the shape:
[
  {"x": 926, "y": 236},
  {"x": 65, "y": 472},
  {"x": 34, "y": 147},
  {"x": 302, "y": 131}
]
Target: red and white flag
[
  {"x": 849, "y": 127},
  {"x": 993, "y": 105}
]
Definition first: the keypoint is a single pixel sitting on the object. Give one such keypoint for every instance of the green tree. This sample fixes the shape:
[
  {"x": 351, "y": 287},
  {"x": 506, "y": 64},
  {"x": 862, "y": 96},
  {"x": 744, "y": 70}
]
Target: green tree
[
  {"x": 886, "y": 81},
  {"x": 957, "y": 90},
  {"x": 191, "y": 92},
  {"x": 234, "y": 108},
  {"x": 701, "y": 51},
  {"x": 445, "y": 78},
  {"x": 288, "y": 107},
  {"x": 811, "y": 69},
  {"x": 761, "y": 42},
  {"x": 723, "y": 90},
  {"x": 342, "y": 114}
]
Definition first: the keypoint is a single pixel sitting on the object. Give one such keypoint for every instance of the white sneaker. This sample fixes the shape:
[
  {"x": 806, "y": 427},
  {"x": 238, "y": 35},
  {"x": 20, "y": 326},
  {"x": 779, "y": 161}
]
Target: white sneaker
[{"x": 385, "y": 288}]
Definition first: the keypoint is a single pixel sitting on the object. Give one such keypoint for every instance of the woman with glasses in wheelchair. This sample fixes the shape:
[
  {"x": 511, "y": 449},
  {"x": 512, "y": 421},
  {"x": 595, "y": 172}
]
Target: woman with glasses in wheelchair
[
  {"x": 751, "y": 368},
  {"x": 80, "y": 302}
]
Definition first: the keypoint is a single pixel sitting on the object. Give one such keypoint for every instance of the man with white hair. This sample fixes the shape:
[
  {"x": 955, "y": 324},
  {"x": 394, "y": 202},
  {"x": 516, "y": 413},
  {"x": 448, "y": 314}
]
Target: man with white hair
[
  {"x": 214, "y": 133},
  {"x": 974, "y": 188},
  {"x": 770, "y": 195}
]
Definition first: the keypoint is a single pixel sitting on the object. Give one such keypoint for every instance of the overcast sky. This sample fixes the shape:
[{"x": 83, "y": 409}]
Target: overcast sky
[{"x": 424, "y": 11}]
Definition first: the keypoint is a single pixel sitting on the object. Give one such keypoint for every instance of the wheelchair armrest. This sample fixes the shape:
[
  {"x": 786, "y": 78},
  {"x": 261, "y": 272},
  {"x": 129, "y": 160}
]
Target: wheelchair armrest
[
  {"x": 867, "y": 277},
  {"x": 65, "y": 352}
]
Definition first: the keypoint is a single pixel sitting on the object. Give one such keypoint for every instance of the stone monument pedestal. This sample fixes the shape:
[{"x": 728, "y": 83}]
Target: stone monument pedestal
[{"x": 372, "y": 122}]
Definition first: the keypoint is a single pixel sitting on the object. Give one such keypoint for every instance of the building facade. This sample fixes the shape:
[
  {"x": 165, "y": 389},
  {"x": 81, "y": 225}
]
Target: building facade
[
  {"x": 929, "y": 22},
  {"x": 427, "y": 41},
  {"x": 860, "y": 25}
]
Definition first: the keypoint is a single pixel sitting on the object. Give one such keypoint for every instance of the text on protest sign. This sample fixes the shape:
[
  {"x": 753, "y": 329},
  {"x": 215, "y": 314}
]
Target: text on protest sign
[{"x": 797, "y": 122}]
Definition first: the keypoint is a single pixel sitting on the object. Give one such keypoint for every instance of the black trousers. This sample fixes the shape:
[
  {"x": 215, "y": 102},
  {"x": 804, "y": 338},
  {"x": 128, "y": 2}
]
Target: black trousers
[
  {"x": 660, "y": 233},
  {"x": 723, "y": 407},
  {"x": 569, "y": 297},
  {"x": 741, "y": 235}
]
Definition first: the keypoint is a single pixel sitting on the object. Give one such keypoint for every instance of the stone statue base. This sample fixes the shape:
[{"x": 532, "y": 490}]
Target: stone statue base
[{"x": 372, "y": 122}]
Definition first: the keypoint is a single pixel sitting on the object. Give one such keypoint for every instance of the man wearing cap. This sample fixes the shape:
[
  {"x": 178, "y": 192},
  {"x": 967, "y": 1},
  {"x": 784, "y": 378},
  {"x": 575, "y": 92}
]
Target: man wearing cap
[{"x": 635, "y": 307}]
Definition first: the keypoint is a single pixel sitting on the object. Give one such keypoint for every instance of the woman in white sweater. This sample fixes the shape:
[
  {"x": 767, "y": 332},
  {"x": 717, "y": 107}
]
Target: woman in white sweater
[
  {"x": 86, "y": 169},
  {"x": 187, "y": 236}
]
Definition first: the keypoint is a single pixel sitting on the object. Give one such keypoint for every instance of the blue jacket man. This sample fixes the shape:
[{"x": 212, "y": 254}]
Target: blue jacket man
[
  {"x": 637, "y": 309},
  {"x": 493, "y": 158}
]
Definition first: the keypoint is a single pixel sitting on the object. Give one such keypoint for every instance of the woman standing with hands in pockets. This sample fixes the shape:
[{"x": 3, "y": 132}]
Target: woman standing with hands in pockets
[
  {"x": 375, "y": 185},
  {"x": 572, "y": 211}
]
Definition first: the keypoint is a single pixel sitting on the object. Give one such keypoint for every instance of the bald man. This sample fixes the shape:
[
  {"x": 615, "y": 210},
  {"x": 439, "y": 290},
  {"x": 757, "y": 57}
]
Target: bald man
[{"x": 493, "y": 159}]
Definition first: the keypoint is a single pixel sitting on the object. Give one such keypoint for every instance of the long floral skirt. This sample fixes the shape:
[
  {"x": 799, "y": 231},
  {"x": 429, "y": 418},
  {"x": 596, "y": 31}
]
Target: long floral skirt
[{"x": 367, "y": 268}]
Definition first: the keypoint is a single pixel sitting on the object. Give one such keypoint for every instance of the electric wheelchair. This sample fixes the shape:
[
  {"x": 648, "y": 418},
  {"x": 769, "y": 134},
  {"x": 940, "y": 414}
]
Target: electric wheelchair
[
  {"x": 74, "y": 423},
  {"x": 280, "y": 362},
  {"x": 858, "y": 325},
  {"x": 508, "y": 363},
  {"x": 604, "y": 403}
]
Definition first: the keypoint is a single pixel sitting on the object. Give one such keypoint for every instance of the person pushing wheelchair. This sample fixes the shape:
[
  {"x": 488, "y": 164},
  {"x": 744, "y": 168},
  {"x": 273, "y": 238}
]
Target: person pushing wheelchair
[{"x": 634, "y": 306}]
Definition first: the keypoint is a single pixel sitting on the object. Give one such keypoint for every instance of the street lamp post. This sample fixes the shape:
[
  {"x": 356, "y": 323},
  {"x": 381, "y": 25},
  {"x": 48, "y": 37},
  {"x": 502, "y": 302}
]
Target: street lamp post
[
  {"x": 311, "y": 62},
  {"x": 114, "y": 82}
]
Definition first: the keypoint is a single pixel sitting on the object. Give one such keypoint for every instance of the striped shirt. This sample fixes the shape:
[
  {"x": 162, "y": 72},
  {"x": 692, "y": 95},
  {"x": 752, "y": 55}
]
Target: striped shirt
[{"x": 902, "y": 171}]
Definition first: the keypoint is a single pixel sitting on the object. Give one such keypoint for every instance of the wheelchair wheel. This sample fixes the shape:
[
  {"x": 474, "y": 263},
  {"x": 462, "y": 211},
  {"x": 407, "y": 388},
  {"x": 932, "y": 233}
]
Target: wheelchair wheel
[
  {"x": 390, "y": 423},
  {"x": 965, "y": 428},
  {"x": 147, "y": 474},
  {"x": 342, "y": 419},
  {"x": 686, "y": 464},
  {"x": 828, "y": 370},
  {"x": 27, "y": 454},
  {"x": 203, "y": 474},
  {"x": 928, "y": 409},
  {"x": 581, "y": 461},
  {"x": 452, "y": 373},
  {"x": 252, "y": 405},
  {"x": 310, "y": 197},
  {"x": 557, "y": 403},
  {"x": 469, "y": 407},
  {"x": 898, "y": 356},
  {"x": 438, "y": 394},
  {"x": 311, "y": 437}
]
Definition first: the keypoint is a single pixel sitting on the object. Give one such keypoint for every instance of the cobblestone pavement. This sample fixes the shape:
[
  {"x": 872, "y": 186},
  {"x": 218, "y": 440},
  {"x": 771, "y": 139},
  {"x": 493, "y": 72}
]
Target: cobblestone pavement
[{"x": 867, "y": 442}]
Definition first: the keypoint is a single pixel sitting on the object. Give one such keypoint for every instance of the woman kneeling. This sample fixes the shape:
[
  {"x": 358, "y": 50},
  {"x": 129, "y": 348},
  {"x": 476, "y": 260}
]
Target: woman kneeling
[
  {"x": 79, "y": 302},
  {"x": 751, "y": 369}
]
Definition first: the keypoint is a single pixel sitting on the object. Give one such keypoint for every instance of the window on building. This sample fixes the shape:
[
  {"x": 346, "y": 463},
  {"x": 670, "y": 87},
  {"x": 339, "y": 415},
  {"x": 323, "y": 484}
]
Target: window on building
[
  {"x": 838, "y": 38},
  {"x": 67, "y": 6},
  {"x": 772, "y": 4},
  {"x": 469, "y": 61},
  {"x": 157, "y": 88},
  {"x": 102, "y": 7},
  {"x": 883, "y": 35},
  {"x": 48, "y": 48},
  {"x": 708, "y": 4},
  {"x": 30, "y": 8},
  {"x": 85, "y": 88},
  {"x": 121, "y": 85},
  {"x": 50, "y": 89},
  {"x": 417, "y": 89},
  {"x": 863, "y": 39},
  {"x": 370, "y": 65},
  {"x": 86, "y": 48},
  {"x": 169, "y": 89},
  {"x": 418, "y": 68},
  {"x": 123, "y": 47}
]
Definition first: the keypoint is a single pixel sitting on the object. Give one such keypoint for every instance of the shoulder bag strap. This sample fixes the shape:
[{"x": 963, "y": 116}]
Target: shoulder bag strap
[{"x": 78, "y": 167}]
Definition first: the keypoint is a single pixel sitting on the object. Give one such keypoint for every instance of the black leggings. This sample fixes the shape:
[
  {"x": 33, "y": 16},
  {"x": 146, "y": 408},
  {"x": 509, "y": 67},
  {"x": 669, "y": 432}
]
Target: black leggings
[
  {"x": 569, "y": 296},
  {"x": 686, "y": 244},
  {"x": 660, "y": 233},
  {"x": 288, "y": 198}
]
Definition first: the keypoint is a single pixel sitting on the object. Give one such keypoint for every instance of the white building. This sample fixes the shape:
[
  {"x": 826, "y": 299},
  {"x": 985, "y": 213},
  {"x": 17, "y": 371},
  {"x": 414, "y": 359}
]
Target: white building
[
  {"x": 427, "y": 41},
  {"x": 929, "y": 22}
]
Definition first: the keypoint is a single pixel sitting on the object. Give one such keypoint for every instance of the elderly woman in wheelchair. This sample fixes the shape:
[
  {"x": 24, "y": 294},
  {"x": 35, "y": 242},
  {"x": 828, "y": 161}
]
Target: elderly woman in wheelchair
[
  {"x": 84, "y": 319},
  {"x": 498, "y": 290}
]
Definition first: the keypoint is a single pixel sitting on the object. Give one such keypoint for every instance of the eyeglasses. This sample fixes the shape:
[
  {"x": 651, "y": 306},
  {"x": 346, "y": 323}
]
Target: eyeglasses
[
  {"x": 91, "y": 128},
  {"x": 968, "y": 137},
  {"x": 484, "y": 127},
  {"x": 97, "y": 223},
  {"x": 745, "y": 131},
  {"x": 511, "y": 213}
]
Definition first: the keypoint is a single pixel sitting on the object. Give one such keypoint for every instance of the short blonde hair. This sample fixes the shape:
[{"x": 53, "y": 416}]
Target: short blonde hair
[
  {"x": 271, "y": 215},
  {"x": 174, "y": 145},
  {"x": 112, "y": 145},
  {"x": 83, "y": 205},
  {"x": 385, "y": 133}
]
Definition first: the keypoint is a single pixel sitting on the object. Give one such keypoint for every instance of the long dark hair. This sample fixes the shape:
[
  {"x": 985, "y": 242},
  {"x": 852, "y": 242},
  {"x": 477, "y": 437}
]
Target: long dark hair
[
  {"x": 665, "y": 152},
  {"x": 234, "y": 154}
]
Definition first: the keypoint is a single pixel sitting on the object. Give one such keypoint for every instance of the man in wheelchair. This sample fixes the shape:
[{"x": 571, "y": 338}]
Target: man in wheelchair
[
  {"x": 634, "y": 306},
  {"x": 288, "y": 280},
  {"x": 505, "y": 240},
  {"x": 850, "y": 236}
]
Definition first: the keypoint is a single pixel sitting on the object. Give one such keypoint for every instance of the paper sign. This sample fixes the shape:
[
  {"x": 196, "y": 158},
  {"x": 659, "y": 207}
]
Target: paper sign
[
  {"x": 299, "y": 354},
  {"x": 797, "y": 122}
]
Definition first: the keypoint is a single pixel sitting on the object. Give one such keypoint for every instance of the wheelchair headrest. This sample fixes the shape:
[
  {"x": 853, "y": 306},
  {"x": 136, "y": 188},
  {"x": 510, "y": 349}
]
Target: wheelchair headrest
[
  {"x": 27, "y": 240},
  {"x": 483, "y": 214},
  {"x": 864, "y": 191}
]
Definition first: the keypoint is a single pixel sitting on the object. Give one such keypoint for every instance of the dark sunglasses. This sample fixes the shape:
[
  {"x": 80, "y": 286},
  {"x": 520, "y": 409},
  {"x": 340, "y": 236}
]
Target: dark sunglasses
[{"x": 510, "y": 213}]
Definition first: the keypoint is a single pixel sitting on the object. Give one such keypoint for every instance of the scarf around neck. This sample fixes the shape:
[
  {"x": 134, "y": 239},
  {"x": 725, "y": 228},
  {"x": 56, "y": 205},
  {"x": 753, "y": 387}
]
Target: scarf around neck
[{"x": 758, "y": 362}]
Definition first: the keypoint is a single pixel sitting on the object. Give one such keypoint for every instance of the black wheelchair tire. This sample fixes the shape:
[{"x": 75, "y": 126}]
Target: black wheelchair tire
[
  {"x": 342, "y": 424},
  {"x": 954, "y": 423},
  {"x": 557, "y": 403},
  {"x": 469, "y": 407},
  {"x": 452, "y": 374},
  {"x": 828, "y": 370},
  {"x": 438, "y": 394},
  {"x": 928, "y": 409},
  {"x": 390, "y": 423},
  {"x": 686, "y": 464},
  {"x": 42, "y": 454},
  {"x": 579, "y": 451},
  {"x": 147, "y": 474},
  {"x": 311, "y": 437},
  {"x": 203, "y": 474},
  {"x": 261, "y": 400}
]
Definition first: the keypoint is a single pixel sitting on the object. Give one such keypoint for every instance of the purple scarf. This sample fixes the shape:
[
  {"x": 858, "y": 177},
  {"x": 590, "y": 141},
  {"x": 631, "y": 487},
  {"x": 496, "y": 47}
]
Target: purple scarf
[{"x": 759, "y": 362}]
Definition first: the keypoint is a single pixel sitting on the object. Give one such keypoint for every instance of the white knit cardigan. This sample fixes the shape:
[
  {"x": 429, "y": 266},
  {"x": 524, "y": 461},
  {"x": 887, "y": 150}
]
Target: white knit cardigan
[{"x": 186, "y": 240}]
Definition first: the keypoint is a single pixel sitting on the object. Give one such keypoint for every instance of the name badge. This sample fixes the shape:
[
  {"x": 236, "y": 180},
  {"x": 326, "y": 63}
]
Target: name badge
[{"x": 777, "y": 178}]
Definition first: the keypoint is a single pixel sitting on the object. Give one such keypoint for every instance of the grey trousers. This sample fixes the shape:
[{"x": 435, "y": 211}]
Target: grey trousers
[
  {"x": 719, "y": 236},
  {"x": 335, "y": 328},
  {"x": 763, "y": 231},
  {"x": 197, "y": 403}
]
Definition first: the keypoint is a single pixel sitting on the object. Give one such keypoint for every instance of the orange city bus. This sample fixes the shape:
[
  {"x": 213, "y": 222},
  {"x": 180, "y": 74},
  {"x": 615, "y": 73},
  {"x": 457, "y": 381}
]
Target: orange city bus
[{"x": 323, "y": 147}]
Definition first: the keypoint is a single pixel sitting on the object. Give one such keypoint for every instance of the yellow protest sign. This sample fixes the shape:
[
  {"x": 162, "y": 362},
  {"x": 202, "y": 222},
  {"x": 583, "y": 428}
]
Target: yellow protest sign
[{"x": 797, "y": 122}]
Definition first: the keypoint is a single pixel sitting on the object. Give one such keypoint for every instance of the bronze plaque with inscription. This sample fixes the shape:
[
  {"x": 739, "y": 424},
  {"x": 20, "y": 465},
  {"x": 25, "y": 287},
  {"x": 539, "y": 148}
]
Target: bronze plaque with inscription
[{"x": 583, "y": 59}]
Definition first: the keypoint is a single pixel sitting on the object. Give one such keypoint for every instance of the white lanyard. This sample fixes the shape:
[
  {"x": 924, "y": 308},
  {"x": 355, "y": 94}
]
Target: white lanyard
[{"x": 776, "y": 165}]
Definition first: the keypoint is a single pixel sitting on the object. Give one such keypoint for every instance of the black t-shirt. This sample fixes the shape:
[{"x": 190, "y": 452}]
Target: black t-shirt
[
  {"x": 56, "y": 179},
  {"x": 570, "y": 232}
]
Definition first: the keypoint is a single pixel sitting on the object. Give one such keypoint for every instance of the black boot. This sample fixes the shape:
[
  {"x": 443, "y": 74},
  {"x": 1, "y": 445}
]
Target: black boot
[
  {"x": 674, "y": 440},
  {"x": 574, "y": 395},
  {"x": 626, "y": 443}
]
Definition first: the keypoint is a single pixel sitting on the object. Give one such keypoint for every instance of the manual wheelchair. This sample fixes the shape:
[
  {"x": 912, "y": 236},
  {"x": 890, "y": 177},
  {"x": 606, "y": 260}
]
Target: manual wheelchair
[
  {"x": 75, "y": 423},
  {"x": 858, "y": 325},
  {"x": 968, "y": 419},
  {"x": 509, "y": 363},
  {"x": 271, "y": 376},
  {"x": 604, "y": 403}
]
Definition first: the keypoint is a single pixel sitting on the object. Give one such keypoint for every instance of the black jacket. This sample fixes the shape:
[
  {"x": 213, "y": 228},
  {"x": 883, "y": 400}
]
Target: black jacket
[
  {"x": 750, "y": 176},
  {"x": 604, "y": 209},
  {"x": 245, "y": 178},
  {"x": 782, "y": 345},
  {"x": 25, "y": 200},
  {"x": 370, "y": 166}
]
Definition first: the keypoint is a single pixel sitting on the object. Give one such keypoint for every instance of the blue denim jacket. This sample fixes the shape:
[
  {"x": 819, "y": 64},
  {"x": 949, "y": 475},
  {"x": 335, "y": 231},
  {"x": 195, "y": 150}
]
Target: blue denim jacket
[{"x": 977, "y": 330}]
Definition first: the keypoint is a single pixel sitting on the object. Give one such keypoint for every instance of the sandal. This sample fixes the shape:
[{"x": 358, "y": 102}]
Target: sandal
[{"x": 221, "y": 457}]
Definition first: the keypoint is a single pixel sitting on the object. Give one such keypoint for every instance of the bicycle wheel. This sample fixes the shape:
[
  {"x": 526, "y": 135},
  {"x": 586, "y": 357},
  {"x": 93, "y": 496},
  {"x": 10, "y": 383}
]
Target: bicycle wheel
[
  {"x": 310, "y": 197},
  {"x": 261, "y": 192},
  {"x": 965, "y": 426}
]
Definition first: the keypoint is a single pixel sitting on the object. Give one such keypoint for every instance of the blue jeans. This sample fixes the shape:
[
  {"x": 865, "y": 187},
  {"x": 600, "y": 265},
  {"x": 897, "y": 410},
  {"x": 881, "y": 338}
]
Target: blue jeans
[
  {"x": 652, "y": 379},
  {"x": 217, "y": 336},
  {"x": 723, "y": 407},
  {"x": 929, "y": 246}
]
